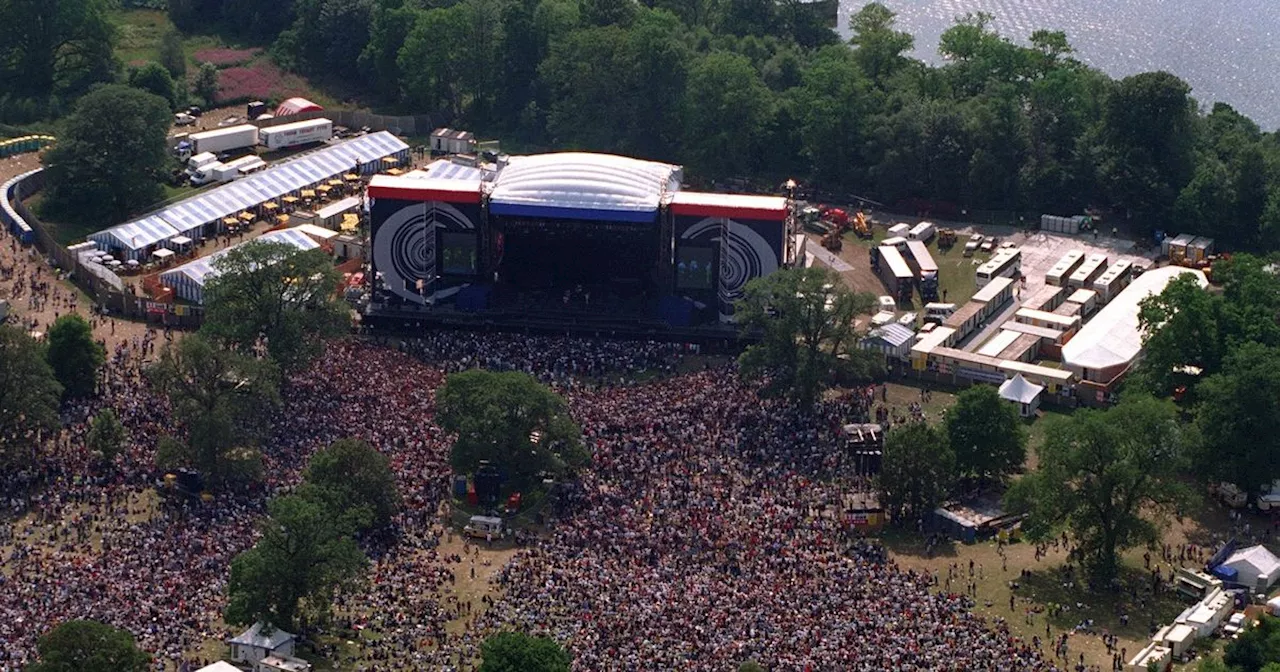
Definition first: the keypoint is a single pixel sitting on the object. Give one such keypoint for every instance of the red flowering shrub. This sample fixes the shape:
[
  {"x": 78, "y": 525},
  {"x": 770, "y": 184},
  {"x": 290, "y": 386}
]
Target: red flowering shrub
[{"x": 223, "y": 57}]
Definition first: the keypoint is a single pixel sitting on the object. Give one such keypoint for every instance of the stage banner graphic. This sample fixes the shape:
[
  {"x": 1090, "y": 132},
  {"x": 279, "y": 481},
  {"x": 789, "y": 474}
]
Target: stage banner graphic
[
  {"x": 754, "y": 249},
  {"x": 407, "y": 237}
]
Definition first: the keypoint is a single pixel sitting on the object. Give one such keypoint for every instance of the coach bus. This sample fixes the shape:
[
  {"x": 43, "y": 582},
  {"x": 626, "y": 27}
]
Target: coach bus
[{"x": 1006, "y": 263}]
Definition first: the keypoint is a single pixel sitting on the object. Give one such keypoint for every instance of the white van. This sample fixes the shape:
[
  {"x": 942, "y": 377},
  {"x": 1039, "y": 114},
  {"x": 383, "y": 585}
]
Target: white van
[
  {"x": 482, "y": 527},
  {"x": 939, "y": 310}
]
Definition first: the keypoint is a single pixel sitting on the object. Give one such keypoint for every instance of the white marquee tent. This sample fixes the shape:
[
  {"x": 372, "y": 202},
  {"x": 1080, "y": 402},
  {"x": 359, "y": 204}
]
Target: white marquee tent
[
  {"x": 1256, "y": 567},
  {"x": 189, "y": 279},
  {"x": 1023, "y": 392}
]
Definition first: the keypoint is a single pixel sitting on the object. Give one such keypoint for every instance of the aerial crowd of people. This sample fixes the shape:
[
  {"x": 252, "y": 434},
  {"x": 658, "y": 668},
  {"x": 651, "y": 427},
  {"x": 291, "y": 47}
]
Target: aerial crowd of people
[{"x": 710, "y": 527}]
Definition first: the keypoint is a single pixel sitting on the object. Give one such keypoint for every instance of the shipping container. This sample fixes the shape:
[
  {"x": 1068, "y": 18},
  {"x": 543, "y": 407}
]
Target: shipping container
[
  {"x": 1176, "y": 249},
  {"x": 1198, "y": 250},
  {"x": 922, "y": 231},
  {"x": 221, "y": 140},
  {"x": 899, "y": 230},
  {"x": 895, "y": 274},
  {"x": 1005, "y": 263}
]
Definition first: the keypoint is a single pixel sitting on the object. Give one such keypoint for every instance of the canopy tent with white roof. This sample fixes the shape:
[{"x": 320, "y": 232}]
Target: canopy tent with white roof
[
  {"x": 220, "y": 666},
  {"x": 133, "y": 239},
  {"x": 1256, "y": 567},
  {"x": 188, "y": 218},
  {"x": 1112, "y": 340},
  {"x": 1023, "y": 392},
  {"x": 580, "y": 185},
  {"x": 188, "y": 280}
]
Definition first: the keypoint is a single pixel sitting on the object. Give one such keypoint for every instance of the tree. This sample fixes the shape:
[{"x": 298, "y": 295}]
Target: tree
[
  {"x": 154, "y": 78},
  {"x": 1256, "y": 648},
  {"x": 172, "y": 56},
  {"x": 305, "y": 554},
  {"x": 1109, "y": 477},
  {"x": 52, "y": 47},
  {"x": 89, "y": 646},
  {"x": 729, "y": 110},
  {"x": 879, "y": 49},
  {"x": 1238, "y": 416},
  {"x": 206, "y": 84},
  {"x": 352, "y": 474},
  {"x": 986, "y": 435},
  {"x": 833, "y": 103},
  {"x": 110, "y": 157},
  {"x": 917, "y": 471},
  {"x": 274, "y": 294},
  {"x": 106, "y": 435},
  {"x": 518, "y": 652},
  {"x": 74, "y": 355},
  {"x": 1181, "y": 327},
  {"x": 804, "y": 318},
  {"x": 511, "y": 421},
  {"x": 222, "y": 399},
  {"x": 29, "y": 394},
  {"x": 327, "y": 36}
]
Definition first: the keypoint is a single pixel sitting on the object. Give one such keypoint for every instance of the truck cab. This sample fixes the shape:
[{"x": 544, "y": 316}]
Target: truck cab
[{"x": 195, "y": 163}]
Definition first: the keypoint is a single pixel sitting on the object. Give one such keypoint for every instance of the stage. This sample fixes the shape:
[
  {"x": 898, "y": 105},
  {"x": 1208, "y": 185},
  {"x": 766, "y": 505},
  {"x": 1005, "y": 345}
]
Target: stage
[{"x": 568, "y": 243}]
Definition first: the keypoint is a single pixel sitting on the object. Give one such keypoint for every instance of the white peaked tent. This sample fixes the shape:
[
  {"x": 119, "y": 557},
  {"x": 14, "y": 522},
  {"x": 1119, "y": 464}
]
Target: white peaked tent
[
  {"x": 1256, "y": 567},
  {"x": 1022, "y": 392},
  {"x": 220, "y": 666}
]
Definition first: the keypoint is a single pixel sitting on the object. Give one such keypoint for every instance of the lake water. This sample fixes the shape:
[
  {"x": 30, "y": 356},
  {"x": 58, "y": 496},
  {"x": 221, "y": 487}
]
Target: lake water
[{"x": 1227, "y": 50}]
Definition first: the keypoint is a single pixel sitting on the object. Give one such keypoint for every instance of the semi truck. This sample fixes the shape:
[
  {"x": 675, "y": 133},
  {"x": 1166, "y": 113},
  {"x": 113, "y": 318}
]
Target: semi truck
[
  {"x": 219, "y": 140},
  {"x": 296, "y": 134},
  {"x": 226, "y": 172},
  {"x": 888, "y": 263}
]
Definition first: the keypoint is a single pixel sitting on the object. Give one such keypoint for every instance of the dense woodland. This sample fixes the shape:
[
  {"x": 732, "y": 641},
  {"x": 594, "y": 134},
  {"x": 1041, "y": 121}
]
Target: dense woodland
[{"x": 759, "y": 89}]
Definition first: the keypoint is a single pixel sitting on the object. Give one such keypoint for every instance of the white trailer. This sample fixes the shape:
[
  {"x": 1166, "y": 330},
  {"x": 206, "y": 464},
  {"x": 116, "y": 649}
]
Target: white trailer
[
  {"x": 921, "y": 232},
  {"x": 296, "y": 133},
  {"x": 221, "y": 140},
  {"x": 195, "y": 163},
  {"x": 226, "y": 172}
]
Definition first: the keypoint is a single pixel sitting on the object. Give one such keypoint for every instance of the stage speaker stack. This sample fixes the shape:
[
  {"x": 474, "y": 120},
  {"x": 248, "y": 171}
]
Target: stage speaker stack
[{"x": 488, "y": 483}]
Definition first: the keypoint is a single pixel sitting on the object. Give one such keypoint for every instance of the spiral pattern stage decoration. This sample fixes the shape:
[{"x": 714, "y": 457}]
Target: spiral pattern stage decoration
[
  {"x": 404, "y": 247},
  {"x": 747, "y": 255}
]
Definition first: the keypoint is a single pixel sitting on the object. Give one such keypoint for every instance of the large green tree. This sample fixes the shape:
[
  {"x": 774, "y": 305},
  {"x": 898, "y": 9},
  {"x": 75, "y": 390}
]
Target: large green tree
[
  {"x": 1257, "y": 649},
  {"x": 222, "y": 399},
  {"x": 272, "y": 294},
  {"x": 74, "y": 355},
  {"x": 89, "y": 646},
  {"x": 1108, "y": 477},
  {"x": 833, "y": 103},
  {"x": 879, "y": 49},
  {"x": 306, "y": 553},
  {"x": 510, "y": 420},
  {"x": 518, "y": 652},
  {"x": 729, "y": 109},
  {"x": 154, "y": 78},
  {"x": 29, "y": 394},
  {"x": 106, "y": 435},
  {"x": 804, "y": 320},
  {"x": 352, "y": 474},
  {"x": 986, "y": 435},
  {"x": 54, "y": 46},
  {"x": 1238, "y": 416},
  {"x": 110, "y": 157},
  {"x": 917, "y": 472}
]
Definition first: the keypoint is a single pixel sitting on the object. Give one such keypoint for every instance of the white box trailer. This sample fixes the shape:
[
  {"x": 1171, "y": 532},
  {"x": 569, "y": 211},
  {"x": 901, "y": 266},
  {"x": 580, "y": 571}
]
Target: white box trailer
[
  {"x": 1094, "y": 265},
  {"x": 1115, "y": 278},
  {"x": 921, "y": 232},
  {"x": 1057, "y": 276},
  {"x": 899, "y": 230},
  {"x": 296, "y": 133},
  {"x": 221, "y": 140}
]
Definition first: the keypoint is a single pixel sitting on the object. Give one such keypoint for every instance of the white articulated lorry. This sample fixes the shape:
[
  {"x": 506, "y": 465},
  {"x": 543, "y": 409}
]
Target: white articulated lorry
[{"x": 296, "y": 134}]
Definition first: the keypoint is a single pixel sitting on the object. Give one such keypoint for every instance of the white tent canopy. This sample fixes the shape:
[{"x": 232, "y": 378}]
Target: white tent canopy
[
  {"x": 162, "y": 253},
  {"x": 584, "y": 185},
  {"x": 1255, "y": 567},
  {"x": 220, "y": 666},
  {"x": 1020, "y": 390}
]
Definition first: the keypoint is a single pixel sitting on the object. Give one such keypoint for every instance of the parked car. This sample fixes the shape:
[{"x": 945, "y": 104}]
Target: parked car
[
  {"x": 195, "y": 111},
  {"x": 183, "y": 119}
]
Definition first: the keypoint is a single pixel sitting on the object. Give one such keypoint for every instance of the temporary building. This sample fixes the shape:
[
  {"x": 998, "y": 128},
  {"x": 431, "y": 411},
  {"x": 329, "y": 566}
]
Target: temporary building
[
  {"x": 297, "y": 106},
  {"x": 260, "y": 641},
  {"x": 1256, "y": 567},
  {"x": 1273, "y": 606},
  {"x": 891, "y": 340},
  {"x": 134, "y": 240},
  {"x": 1023, "y": 392},
  {"x": 200, "y": 216},
  {"x": 1112, "y": 340},
  {"x": 188, "y": 280},
  {"x": 1178, "y": 637},
  {"x": 1152, "y": 656}
]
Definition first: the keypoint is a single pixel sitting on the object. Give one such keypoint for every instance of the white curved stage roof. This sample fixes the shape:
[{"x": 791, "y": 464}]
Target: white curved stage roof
[{"x": 580, "y": 185}]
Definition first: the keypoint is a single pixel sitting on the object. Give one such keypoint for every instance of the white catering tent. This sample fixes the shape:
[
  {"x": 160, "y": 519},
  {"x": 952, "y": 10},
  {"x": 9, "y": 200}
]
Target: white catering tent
[
  {"x": 1256, "y": 567},
  {"x": 1112, "y": 340},
  {"x": 135, "y": 239},
  {"x": 191, "y": 217},
  {"x": 891, "y": 340},
  {"x": 189, "y": 279},
  {"x": 1023, "y": 392}
]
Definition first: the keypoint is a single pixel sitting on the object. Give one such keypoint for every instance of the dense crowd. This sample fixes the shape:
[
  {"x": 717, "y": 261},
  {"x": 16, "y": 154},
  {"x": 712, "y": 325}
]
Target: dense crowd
[{"x": 711, "y": 527}]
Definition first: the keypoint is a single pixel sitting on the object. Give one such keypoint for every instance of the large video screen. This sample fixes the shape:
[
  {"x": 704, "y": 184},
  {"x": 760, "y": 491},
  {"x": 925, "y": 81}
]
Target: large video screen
[
  {"x": 695, "y": 268},
  {"x": 457, "y": 253}
]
